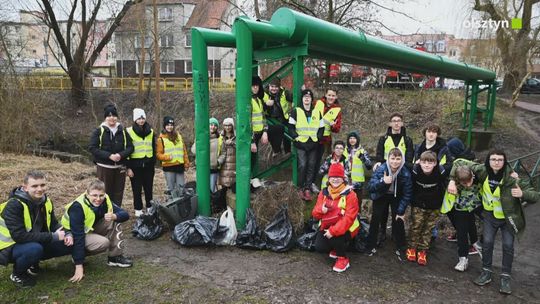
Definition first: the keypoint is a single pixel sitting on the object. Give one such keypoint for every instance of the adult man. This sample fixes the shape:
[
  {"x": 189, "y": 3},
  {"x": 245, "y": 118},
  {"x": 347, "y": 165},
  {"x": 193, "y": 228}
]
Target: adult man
[
  {"x": 395, "y": 137},
  {"x": 29, "y": 231},
  {"x": 94, "y": 221},
  {"x": 502, "y": 195},
  {"x": 277, "y": 107}
]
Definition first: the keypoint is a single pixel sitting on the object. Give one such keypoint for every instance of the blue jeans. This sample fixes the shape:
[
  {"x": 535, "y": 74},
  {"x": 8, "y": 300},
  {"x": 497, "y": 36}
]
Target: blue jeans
[
  {"x": 25, "y": 255},
  {"x": 491, "y": 225},
  {"x": 213, "y": 181}
]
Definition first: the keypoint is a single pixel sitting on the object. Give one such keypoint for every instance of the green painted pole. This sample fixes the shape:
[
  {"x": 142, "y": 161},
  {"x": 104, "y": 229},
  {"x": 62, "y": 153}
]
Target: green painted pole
[
  {"x": 298, "y": 81},
  {"x": 244, "y": 61},
  {"x": 465, "y": 106},
  {"x": 485, "y": 117},
  {"x": 472, "y": 113},
  {"x": 492, "y": 101},
  {"x": 202, "y": 131}
]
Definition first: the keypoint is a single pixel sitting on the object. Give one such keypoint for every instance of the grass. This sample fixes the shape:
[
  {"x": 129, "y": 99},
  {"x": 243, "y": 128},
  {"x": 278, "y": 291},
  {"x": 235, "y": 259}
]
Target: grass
[{"x": 143, "y": 283}]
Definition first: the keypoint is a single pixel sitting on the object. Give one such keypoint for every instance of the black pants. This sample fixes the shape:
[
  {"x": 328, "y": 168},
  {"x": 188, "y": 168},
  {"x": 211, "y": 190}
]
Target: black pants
[
  {"x": 143, "y": 178},
  {"x": 276, "y": 136},
  {"x": 306, "y": 167},
  {"x": 464, "y": 221},
  {"x": 257, "y": 137},
  {"x": 398, "y": 227},
  {"x": 337, "y": 243}
]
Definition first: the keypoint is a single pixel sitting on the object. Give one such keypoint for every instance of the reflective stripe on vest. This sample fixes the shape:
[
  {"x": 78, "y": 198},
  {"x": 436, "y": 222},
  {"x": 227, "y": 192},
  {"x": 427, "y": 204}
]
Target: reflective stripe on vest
[
  {"x": 448, "y": 202},
  {"x": 5, "y": 236},
  {"x": 357, "y": 166},
  {"x": 389, "y": 145},
  {"x": 304, "y": 129},
  {"x": 175, "y": 150},
  {"x": 103, "y": 131},
  {"x": 142, "y": 146},
  {"x": 257, "y": 116},
  {"x": 284, "y": 104},
  {"x": 89, "y": 215},
  {"x": 343, "y": 205},
  {"x": 492, "y": 200}
]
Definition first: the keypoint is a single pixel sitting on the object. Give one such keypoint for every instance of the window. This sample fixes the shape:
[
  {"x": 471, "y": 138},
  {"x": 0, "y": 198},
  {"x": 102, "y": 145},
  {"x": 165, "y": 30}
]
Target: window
[
  {"x": 34, "y": 51},
  {"x": 167, "y": 67},
  {"x": 441, "y": 46},
  {"x": 188, "y": 39},
  {"x": 166, "y": 40},
  {"x": 147, "y": 42},
  {"x": 453, "y": 53},
  {"x": 147, "y": 67},
  {"x": 429, "y": 46},
  {"x": 165, "y": 14},
  {"x": 187, "y": 67}
]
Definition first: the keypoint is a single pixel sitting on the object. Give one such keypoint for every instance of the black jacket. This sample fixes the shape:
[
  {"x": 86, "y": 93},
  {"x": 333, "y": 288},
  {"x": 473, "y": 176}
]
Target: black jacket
[
  {"x": 14, "y": 218},
  {"x": 440, "y": 148},
  {"x": 146, "y": 161},
  {"x": 428, "y": 190},
  {"x": 110, "y": 144},
  {"x": 409, "y": 154}
]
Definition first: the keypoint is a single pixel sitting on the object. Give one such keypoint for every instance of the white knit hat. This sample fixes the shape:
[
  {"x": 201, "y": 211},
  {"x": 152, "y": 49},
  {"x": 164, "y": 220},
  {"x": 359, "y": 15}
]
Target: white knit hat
[
  {"x": 228, "y": 121},
  {"x": 138, "y": 113}
]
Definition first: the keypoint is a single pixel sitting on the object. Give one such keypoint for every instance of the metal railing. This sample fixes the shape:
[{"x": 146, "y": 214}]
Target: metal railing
[
  {"x": 119, "y": 84},
  {"x": 527, "y": 167}
]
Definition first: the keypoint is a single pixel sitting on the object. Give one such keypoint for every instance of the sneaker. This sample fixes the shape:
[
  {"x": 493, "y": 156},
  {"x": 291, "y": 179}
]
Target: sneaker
[
  {"x": 452, "y": 238},
  {"x": 22, "y": 280},
  {"x": 342, "y": 263},
  {"x": 371, "y": 252},
  {"x": 411, "y": 255},
  {"x": 422, "y": 258},
  {"x": 34, "y": 270},
  {"x": 484, "y": 278},
  {"x": 307, "y": 195},
  {"x": 119, "y": 261},
  {"x": 505, "y": 284},
  {"x": 332, "y": 254},
  {"x": 462, "y": 264},
  {"x": 315, "y": 189},
  {"x": 473, "y": 251},
  {"x": 400, "y": 254},
  {"x": 138, "y": 213}
]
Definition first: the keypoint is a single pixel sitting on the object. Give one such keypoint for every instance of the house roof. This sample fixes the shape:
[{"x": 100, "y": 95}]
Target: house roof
[{"x": 208, "y": 13}]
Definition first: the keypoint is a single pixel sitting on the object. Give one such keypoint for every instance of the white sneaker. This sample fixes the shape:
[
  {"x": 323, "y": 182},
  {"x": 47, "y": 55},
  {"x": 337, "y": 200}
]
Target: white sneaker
[
  {"x": 462, "y": 264},
  {"x": 478, "y": 247},
  {"x": 138, "y": 213}
]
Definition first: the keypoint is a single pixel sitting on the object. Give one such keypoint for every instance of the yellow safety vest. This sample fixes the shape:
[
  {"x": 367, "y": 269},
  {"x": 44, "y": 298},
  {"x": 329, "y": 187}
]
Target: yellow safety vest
[
  {"x": 304, "y": 129},
  {"x": 492, "y": 200},
  {"x": 5, "y": 236},
  {"x": 143, "y": 146},
  {"x": 89, "y": 215},
  {"x": 257, "y": 115},
  {"x": 284, "y": 104},
  {"x": 328, "y": 117},
  {"x": 357, "y": 170},
  {"x": 343, "y": 205},
  {"x": 103, "y": 131},
  {"x": 389, "y": 145},
  {"x": 176, "y": 150},
  {"x": 448, "y": 202}
]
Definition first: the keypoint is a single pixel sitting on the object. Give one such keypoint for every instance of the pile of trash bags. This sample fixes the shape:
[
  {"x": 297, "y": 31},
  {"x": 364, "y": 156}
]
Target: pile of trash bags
[
  {"x": 203, "y": 230},
  {"x": 149, "y": 225}
]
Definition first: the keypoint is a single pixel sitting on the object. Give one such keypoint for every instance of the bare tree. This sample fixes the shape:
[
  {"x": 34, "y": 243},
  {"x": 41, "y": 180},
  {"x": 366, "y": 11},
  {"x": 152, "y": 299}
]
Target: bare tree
[
  {"x": 514, "y": 44},
  {"x": 79, "y": 62}
]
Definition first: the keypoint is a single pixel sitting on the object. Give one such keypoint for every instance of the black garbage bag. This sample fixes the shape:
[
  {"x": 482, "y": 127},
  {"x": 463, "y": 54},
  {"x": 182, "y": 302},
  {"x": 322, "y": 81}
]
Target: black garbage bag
[
  {"x": 148, "y": 226},
  {"x": 218, "y": 200},
  {"x": 307, "y": 241},
  {"x": 279, "y": 232},
  {"x": 179, "y": 207},
  {"x": 195, "y": 232},
  {"x": 251, "y": 236},
  {"x": 360, "y": 240}
]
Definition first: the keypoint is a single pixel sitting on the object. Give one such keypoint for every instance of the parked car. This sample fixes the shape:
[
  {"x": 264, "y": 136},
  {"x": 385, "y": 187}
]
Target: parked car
[{"x": 531, "y": 86}]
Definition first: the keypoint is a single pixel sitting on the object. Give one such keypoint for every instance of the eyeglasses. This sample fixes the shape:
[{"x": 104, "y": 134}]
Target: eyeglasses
[{"x": 496, "y": 160}]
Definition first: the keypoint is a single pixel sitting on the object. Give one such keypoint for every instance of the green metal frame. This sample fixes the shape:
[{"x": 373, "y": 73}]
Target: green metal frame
[
  {"x": 533, "y": 174},
  {"x": 471, "y": 107},
  {"x": 293, "y": 35}
]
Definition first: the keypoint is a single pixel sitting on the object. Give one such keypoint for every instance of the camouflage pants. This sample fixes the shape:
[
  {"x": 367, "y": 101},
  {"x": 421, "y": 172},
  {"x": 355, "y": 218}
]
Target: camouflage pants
[{"x": 422, "y": 222}]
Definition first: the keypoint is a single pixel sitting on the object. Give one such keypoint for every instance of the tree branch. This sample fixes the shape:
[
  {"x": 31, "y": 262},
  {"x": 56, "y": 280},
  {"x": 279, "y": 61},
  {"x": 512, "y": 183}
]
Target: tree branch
[
  {"x": 70, "y": 24},
  {"x": 53, "y": 24}
]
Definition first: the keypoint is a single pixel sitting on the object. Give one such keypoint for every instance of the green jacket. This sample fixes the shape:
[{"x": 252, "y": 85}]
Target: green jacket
[{"x": 512, "y": 208}]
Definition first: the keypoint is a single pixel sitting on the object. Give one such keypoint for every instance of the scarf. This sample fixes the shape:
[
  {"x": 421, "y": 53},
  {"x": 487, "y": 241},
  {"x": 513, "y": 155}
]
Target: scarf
[{"x": 335, "y": 192}]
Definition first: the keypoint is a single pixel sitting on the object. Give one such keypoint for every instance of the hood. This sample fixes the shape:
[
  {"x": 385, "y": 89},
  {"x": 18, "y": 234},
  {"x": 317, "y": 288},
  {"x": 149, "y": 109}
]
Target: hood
[
  {"x": 456, "y": 146},
  {"x": 439, "y": 144},
  {"x": 402, "y": 132},
  {"x": 22, "y": 195},
  {"x": 113, "y": 129},
  {"x": 357, "y": 136},
  {"x": 394, "y": 182}
]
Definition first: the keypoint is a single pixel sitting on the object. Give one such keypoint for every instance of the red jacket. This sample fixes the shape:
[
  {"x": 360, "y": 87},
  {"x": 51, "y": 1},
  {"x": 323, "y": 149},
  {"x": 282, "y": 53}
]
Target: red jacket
[
  {"x": 337, "y": 126},
  {"x": 337, "y": 220}
]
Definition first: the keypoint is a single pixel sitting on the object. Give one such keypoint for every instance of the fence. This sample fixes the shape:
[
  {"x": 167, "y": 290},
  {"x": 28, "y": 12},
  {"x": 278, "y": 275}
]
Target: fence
[
  {"x": 120, "y": 84},
  {"x": 528, "y": 167}
]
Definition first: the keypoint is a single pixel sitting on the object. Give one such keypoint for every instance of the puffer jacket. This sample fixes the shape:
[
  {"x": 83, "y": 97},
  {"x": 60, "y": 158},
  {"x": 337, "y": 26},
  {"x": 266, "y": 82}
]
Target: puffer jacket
[
  {"x": 512, "y": 208},
  {"x": 403, "y": 186},
  {"x": 227, "y": 161}
]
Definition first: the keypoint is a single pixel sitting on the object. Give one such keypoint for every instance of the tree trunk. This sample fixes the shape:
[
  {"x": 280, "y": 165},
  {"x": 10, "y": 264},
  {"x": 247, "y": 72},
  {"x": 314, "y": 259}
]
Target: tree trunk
[{"x": 78, "y": 90}]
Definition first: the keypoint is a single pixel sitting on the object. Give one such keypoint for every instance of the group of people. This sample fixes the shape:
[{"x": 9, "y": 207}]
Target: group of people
[{"x": 432, "y": 177}]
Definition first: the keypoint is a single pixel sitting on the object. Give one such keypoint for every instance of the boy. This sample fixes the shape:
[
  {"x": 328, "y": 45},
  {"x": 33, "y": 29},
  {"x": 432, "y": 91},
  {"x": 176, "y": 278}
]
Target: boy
[
  {"x": 357, "y": 158},
  {"x": 337, "y": 157},
  {"x": 433, "y": 142},
  {"x": 428, "y": 180},
  {"x": 390, "y": 185}
]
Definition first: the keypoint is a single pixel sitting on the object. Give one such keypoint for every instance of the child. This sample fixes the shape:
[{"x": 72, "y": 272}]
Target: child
[
  {"x": 336, "y": 208},
  {"x": 227, "y": 158},
  {"x": 390, "y": 185},
  {"x": 428, "y": 180},
  {"x": 172, "y": 152},
  {"x": 336, "y": 157},
  {"x": 357, "y": 158},
  {"x": 433, "y": 142},
  {"x": 216, "y": 143}
]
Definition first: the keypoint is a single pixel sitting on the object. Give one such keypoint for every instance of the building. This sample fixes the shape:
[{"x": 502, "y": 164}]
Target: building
[{"x": 134, "y": 39}]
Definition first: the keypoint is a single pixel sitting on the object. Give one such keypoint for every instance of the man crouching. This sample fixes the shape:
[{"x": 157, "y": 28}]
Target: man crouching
[{"x": 94, "y": 220}]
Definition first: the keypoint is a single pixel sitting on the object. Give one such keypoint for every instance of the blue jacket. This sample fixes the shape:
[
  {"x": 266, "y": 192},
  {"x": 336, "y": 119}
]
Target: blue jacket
[{"x": 403, "y": 188}]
